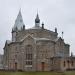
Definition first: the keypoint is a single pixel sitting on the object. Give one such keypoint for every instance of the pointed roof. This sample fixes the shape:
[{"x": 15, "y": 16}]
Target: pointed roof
[
  {"x": 19, "y": 21},
  {"x": 37, "y": 16},
  {"x": 37, "y": 20},
  {"x": 19, "y": 14}
]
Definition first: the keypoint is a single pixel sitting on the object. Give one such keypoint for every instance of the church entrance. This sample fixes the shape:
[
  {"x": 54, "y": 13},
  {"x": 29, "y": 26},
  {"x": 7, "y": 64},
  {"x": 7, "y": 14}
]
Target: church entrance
[
  {"x": 15, "y": 66},
  {"x": 42, "y": 66}
]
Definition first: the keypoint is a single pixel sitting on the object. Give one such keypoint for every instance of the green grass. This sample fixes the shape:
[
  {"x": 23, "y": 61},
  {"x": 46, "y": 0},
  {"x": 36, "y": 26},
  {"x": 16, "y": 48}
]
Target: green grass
[{"x": 37, "y": 73}]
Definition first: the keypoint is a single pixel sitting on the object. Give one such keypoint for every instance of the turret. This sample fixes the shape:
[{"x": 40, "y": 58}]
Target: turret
[
  {"x": 42, "y": 25},
  {"x": 14, "y": 35},
  {"x": 55, "y": 30}
]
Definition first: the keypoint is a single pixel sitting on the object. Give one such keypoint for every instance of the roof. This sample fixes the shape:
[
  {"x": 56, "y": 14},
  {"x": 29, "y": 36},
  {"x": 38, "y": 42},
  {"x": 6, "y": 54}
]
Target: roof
[
  {"x": 18, "y": 22},
  {"x": 36, "y": 27},
  {"x": 41, "y": 39},
  {"x": 58, "y": 39}
]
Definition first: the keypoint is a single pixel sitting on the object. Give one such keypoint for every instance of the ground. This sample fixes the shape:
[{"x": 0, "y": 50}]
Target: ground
[{"x": 37, "y": 73}]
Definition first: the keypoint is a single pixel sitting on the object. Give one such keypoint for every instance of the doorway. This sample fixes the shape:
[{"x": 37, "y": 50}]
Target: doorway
[
  {"x": 15, "y": 66},
  {"x": 42, "y": 66}
]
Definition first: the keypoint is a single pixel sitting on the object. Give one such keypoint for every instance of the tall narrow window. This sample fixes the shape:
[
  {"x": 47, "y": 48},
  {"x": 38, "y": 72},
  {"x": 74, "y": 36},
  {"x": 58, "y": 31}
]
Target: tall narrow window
[
  {"x": 28, "y": 62},
  {"x": 29, "y": 54}
]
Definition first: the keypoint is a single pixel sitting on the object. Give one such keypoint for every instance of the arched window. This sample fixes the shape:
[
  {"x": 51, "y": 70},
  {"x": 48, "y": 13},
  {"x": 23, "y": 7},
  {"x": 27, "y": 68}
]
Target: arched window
[
  {"x": 29, "y": 49},
  {"x": 29, "y": 54}
]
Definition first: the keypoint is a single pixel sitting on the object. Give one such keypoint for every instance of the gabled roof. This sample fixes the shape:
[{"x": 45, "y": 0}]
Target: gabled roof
[
  {"x": 36, "y": 39},
  {"x": 27, "y": 37},
  {"x": 41, "y": 39}
]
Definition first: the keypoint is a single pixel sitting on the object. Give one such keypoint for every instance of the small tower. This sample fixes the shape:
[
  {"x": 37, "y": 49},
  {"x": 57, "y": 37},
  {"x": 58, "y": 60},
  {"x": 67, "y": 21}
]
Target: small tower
[
  {"x": 62, "y": 34},
  {"x": 18, "y": 26},
  {"x": 42, "y": 25},
  {"x": 37, "y": 21},
  {"x": 55, "y": 30}
]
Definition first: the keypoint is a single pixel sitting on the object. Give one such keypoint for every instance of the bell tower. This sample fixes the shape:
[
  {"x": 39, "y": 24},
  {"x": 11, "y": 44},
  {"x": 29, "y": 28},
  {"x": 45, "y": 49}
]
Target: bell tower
[{"x": 18, "y": 26}]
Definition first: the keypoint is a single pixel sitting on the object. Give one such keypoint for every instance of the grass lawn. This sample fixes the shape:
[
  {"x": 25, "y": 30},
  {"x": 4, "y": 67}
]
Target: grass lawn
[{"x": 37, "y": 73}]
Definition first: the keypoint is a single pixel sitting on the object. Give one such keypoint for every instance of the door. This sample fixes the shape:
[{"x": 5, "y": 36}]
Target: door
[
  {"x": 42, "y": 66},
  {"x": 15, "y": 66}
]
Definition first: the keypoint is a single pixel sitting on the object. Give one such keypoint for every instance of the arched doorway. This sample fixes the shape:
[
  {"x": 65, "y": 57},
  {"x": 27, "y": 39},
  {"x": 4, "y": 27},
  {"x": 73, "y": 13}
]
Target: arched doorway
[
  {"x": 15, "y": 65},
  {"x": 42, "y": 66}
]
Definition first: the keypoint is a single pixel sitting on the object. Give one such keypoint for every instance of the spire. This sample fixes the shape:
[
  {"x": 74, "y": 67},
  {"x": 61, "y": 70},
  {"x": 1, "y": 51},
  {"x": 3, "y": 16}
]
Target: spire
[
  {"x": 19, "y": 21},
  {"x": 19, "y": 14},
  {"x": 37, "y": 20}
]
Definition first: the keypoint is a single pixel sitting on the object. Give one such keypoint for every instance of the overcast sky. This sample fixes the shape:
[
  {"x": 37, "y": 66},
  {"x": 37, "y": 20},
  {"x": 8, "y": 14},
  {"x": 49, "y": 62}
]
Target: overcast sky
[{"x": 54, "y": 13}]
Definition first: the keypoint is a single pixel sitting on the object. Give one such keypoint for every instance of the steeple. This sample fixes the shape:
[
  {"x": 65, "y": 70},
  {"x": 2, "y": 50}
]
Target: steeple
[
  {"x": 18, "y": 22},
  {"x": 37, "y": 21},
  {"x": 18, "y": 26}
]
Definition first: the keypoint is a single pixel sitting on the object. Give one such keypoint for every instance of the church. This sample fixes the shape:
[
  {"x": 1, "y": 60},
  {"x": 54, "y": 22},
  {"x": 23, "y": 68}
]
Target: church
[{"x": 36, "y": 49}]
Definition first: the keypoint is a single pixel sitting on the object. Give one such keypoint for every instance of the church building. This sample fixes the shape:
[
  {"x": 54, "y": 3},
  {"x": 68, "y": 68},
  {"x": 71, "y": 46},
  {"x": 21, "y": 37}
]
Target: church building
[{"x": 36, "y": 49}]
